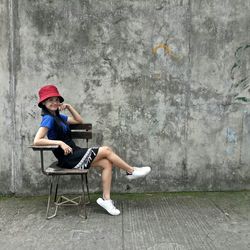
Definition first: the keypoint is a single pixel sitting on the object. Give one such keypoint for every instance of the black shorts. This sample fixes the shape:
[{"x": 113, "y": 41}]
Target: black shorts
[{"x": 80, "y": 158}]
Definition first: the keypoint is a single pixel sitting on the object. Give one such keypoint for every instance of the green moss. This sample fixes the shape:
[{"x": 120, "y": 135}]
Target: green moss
[
  {"x": 5, "y": 197},
  {"x": 143, "y": 196}
]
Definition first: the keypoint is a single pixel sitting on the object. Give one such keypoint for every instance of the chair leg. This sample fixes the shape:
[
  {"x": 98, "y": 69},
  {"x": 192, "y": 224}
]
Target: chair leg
[
  {"x": 87, "y": 185},
  {"x": 49, "y": 200},
  {"x": 59, "y": 201},
  {"x": 57, "y": 181},
  {"x": 83, "y": 197}
]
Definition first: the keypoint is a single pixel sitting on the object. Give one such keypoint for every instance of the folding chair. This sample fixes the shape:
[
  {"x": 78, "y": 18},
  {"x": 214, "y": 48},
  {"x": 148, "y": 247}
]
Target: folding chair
[{"x": 79, "y": 131}]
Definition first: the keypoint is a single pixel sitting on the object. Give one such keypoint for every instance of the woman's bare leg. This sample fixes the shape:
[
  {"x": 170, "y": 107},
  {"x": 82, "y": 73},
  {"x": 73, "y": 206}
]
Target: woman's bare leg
[
  {"x": 107, "y": 153},
  {"x": 106, "y": 167}
]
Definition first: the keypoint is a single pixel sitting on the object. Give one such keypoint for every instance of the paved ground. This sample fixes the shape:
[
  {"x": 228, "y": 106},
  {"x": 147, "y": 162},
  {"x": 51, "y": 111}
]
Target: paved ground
[{"x": 148, "y": 221}]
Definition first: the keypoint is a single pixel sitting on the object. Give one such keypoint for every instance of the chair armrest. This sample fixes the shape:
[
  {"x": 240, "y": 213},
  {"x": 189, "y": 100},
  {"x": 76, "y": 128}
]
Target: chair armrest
[
  {"x": 41, "y": 149},
  {"x": 49, "y": 147}
]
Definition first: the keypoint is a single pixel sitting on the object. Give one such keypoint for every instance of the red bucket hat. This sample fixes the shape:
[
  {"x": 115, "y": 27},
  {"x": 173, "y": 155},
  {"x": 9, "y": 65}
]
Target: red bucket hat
[{"x": 48, "y": 91}]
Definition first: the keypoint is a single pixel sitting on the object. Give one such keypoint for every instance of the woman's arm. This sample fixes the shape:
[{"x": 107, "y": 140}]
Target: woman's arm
[
  {"x": 40, "y": 140},
  {"x": 75, "y": 118}
]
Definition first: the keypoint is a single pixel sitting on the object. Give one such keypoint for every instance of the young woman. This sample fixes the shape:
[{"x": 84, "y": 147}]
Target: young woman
[{"x": 55, "y": 127}]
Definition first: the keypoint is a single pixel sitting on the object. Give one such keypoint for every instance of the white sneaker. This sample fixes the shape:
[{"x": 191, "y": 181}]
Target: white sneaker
[
  {"x": 138, "y": 173},
  {"x": 108, "y": 205}
]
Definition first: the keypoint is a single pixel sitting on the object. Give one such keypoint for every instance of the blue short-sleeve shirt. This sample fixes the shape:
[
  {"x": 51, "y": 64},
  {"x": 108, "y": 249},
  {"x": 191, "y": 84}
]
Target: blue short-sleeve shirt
[{"x": 49, "y": 122}]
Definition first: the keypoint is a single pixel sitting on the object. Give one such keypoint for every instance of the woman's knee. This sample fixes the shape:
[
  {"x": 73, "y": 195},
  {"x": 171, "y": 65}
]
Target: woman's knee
[{"x": 105, "y": 150}]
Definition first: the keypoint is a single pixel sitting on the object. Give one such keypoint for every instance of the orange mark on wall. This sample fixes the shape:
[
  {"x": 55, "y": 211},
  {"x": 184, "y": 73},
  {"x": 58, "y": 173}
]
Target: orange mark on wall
[{"x": 166, "y": 48}]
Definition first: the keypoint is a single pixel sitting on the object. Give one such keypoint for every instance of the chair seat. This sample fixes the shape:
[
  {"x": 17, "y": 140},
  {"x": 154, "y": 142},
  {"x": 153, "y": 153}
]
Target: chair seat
[{"x": 53, "y": 169}]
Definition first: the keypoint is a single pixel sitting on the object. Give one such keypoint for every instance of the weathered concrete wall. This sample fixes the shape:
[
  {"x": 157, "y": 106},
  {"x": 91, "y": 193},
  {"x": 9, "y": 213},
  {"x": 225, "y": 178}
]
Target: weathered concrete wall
[
  {"x": 163, "y": 82},
  {"x": 5, "y": 107}
]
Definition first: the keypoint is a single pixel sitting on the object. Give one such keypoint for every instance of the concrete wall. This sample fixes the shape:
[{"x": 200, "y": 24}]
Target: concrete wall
[{"x": 165, "y": 83}]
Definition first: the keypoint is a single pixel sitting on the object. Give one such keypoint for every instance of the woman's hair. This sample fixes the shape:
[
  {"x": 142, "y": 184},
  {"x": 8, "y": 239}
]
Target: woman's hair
[{"x": 57, "y": 118}]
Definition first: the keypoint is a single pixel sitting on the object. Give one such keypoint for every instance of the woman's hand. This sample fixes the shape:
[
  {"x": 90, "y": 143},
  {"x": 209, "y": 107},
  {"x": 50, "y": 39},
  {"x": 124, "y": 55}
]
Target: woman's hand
[
  {"x": 64, "y": 106},
  {"x": 66, "y": 148},
  {"x": 75, "y": 117}
]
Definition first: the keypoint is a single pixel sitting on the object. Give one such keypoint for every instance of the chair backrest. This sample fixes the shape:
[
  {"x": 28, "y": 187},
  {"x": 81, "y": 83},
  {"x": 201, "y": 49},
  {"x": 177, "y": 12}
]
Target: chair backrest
[{"x": 81, "y": 131}]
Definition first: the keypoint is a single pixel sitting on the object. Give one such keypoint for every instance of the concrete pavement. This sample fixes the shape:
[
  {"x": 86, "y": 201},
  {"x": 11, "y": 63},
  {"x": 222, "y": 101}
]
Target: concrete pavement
[{"x": 148, "y": 221}]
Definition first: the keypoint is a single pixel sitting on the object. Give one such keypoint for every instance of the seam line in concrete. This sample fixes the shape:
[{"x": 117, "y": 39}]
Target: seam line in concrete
[
  {"x": 12, "y": 91},
  {"x": 123, "y": 239}
]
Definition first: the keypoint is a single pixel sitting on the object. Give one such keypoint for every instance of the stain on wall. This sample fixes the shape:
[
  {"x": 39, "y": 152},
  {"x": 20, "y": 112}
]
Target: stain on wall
[
  {"x": 240, "y": 73},
  {"x": 166, "y": 48}
]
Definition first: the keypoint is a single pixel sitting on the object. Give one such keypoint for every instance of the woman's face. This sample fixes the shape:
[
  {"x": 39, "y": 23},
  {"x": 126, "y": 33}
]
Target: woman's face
[{"x": 52, "y": 103}]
